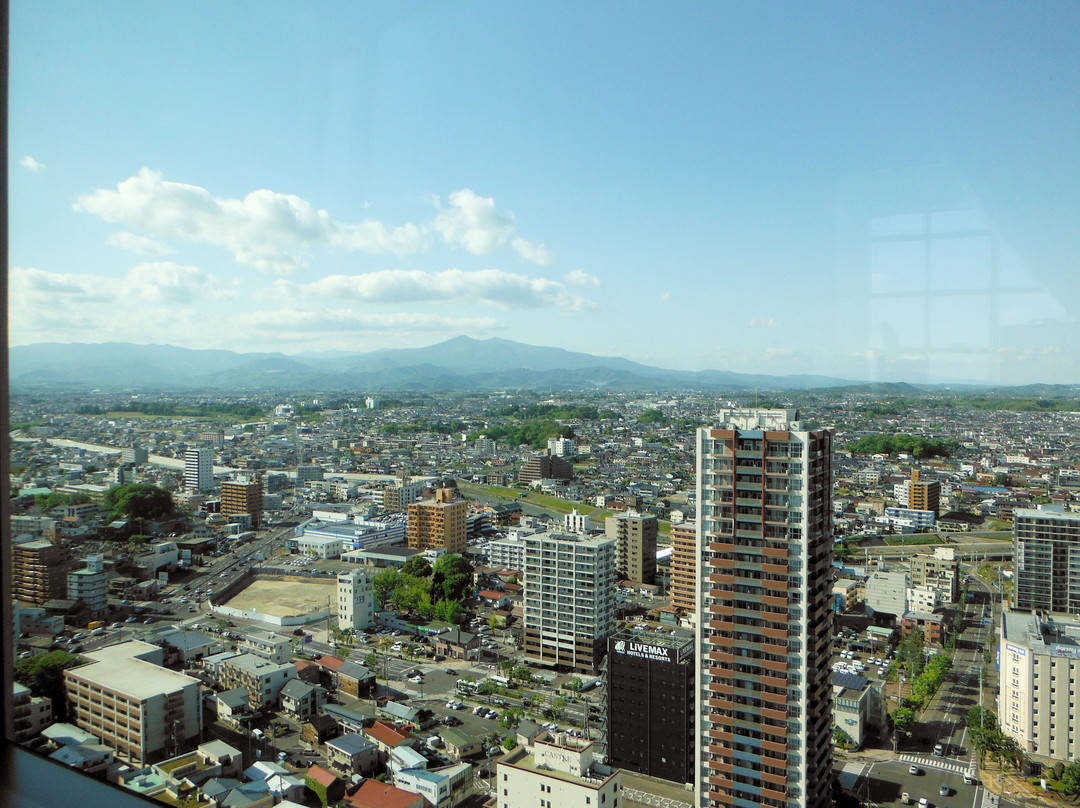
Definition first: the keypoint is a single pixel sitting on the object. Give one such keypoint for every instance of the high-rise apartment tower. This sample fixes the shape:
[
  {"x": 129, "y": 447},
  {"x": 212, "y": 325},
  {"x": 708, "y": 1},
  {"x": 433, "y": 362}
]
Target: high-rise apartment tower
[
  {"x": 635, "y": 545},
  {"x": 764, "y": 691},
  {"x": 1046, "y": 549},
  {"x": 199, "y": 470}
]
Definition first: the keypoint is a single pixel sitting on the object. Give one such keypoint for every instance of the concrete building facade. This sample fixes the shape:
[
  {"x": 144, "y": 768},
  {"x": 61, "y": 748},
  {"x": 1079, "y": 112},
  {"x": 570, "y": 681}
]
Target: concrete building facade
[
  {"x": 240, "y": 497},
  {"x": 199, "y": 470},
  {"x": 356, "y": 600},
  {"x": 684, "y": 566},
  {"x": 569, "y": 600},
  {"x": 1046, "y": 552}
]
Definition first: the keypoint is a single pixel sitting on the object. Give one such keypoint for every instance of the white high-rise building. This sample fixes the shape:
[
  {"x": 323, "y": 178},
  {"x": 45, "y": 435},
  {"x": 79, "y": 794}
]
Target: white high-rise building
[
  {"x": 90, "y": 584},
  {"x": 199, "y": 470},
  {"x": 764, "y": 697},
  {"x": 569, "y": 600},
  {"x": 356, "y": 600}
]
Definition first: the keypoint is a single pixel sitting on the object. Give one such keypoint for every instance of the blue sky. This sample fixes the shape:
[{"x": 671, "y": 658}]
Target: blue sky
[{"x": 875, "y": 191}]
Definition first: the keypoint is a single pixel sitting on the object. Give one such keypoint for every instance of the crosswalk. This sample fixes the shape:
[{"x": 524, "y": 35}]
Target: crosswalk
[{"x": 936, "y": 763}]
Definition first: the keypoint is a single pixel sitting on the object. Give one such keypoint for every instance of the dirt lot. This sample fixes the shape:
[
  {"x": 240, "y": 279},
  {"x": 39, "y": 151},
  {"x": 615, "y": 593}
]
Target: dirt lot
[{"x": 282, "y": 598}]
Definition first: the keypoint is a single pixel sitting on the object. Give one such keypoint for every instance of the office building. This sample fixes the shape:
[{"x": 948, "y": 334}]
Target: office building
[
  {"x": 142, "y": 711},
  {"x": 134, "y": 454},
  {"x": 356, "y": 600},
  {"x": 240, "y": 497},
  {"x": 1039, "y": 703},
  {"x": 684, "y": 567},
  {"x": 887, "y": 594},
  {"x": 555, "y": 772},
  {"x": 438, "y": 523},
  {"x": 1046, "y": 552},
  {"x": 650, "y": 704},
  {"x": 39, "y": 571},
  {"x": 635, "y": 545},
  {"x": 90, "y": 584},
  {"x": 199, "y": 470},
  {"x": 764, "y": 494},
  {"x": 569, "y": 600}
]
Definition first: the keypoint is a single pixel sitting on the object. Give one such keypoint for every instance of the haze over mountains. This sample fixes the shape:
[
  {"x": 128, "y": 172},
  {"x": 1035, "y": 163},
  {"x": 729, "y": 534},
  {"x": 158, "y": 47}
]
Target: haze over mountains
[{"x": 461, "y": 363}]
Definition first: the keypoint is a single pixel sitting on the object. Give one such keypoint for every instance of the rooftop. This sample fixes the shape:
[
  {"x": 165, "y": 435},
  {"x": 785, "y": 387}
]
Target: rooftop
[{"x": 118, "y": 668}]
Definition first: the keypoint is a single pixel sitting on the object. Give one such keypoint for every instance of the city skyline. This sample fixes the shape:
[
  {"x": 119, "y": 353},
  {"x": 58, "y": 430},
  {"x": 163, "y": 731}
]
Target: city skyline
[{"x": 881, "y": 194}]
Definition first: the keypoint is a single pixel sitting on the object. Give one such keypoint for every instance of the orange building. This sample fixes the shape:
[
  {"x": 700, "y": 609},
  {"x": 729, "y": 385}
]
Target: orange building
[{"x": 438, "y": 522}]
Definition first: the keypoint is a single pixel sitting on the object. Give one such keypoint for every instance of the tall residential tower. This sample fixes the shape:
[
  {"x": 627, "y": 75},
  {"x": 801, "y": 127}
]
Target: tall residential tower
[{"x": 764, "y": 491}]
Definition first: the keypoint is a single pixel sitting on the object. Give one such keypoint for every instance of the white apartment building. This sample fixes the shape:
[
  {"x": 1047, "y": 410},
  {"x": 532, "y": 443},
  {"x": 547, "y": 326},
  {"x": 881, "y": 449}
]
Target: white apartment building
[
  {"x": 556, "y": 772},
  {"x": 922, "y": 599},
  {"x": 31, "y": 713},
  {"x": 142, "y": 711},
  {"x": 575, "y": 522},
  {"x": 1038, "y": 701},
  {"x": 442, "y": 787},
  {"x": 268, "y": 645},
  {"x": 569, "y": 600},
  {"x": 508, "y": 553},
  {"x": 562, "y": 447},
  {"x": 90, "y": 584},
  {"x": 199, "y": 470},
  {"x": 356, "y": 600}
]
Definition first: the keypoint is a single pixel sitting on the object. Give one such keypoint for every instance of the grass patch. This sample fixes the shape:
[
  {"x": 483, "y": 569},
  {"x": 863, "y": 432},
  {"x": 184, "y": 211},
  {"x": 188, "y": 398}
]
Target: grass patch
[{"x": 913, "y": 540}]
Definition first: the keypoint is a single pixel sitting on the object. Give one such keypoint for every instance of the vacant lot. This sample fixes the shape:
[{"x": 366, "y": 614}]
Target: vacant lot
[{"x": 287, "y": 597}]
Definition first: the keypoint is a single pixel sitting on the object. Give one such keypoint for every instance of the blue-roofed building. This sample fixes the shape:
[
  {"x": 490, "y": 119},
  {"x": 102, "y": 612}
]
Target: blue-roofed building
[{"x": 353, "y": 754}]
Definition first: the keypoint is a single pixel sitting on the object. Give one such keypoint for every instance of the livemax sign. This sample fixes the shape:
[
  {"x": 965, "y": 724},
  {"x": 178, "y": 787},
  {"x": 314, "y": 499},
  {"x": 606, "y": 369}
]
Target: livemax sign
[{"x": 641, "y": 650}]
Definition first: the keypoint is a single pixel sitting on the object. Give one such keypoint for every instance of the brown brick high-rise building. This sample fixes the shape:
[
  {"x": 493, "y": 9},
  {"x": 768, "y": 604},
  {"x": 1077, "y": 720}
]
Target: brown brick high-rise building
[
  {"x": 39, "y": 571},
  {"x": 243, "y": 497},
  {"x": 438, "y": 522},
  {"x": 684, "y": 566},
  {"x": 764, "y": 499}
]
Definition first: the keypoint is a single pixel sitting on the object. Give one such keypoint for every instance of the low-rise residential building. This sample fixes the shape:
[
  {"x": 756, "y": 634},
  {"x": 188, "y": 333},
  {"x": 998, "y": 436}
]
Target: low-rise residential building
[
  {"x": 443, "y": 787},
  {"x": 373, "y": 794},
  {"x": 352, "y": 753},
  {"x": 557, "y": 771},
  {"x": 262, "y": 679},
  {"x": 268, "y": 645},
  {"x": 931, "y": 625},
  {"x": 858, "y": 706},
  {"x": 32, "y": 714},
  {"x": 302, "y": 700}
]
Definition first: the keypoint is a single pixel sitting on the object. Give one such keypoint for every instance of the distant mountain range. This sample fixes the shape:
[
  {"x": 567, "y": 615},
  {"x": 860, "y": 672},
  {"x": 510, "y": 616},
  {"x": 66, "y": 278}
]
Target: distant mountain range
[{"x": 461, "y": 363}]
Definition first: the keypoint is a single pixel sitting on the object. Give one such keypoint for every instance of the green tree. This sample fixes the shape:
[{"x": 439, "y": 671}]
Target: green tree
[
  {"x": 44, "y": 675},
  {"x": 417, "y": 566},
  {"x": 901, "y": 720},
  {"x": 509, "y": 743},
  {"x": 1070, "y": 778},
  {"x": 452, "y": 578},
  {"x": 139, "y": 501},
  {"x": 384, "y": 584}
]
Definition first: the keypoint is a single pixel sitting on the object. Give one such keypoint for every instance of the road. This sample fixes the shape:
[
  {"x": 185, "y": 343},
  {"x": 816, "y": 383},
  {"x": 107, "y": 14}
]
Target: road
[{"x": 944, "y": 720}]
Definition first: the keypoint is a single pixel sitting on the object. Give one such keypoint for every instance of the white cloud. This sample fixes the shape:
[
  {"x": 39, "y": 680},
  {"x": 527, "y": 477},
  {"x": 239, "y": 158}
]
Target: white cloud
[
  {"x": 534, "y": 253},
  {"x": 162, "y": 282},
  {"x": 472, "y": 222},
  {"x": 273, "y": 232},
  {"x": 265, "y": 229},
  {"x": 666, "y": 295},
  {"x": 764, "y": 322},
  {"x": 139, "y": 244},
  {"x": 490, "y": 286},
  {"x": 579, "y": 277},
  {"x": 32, "y": 164}
]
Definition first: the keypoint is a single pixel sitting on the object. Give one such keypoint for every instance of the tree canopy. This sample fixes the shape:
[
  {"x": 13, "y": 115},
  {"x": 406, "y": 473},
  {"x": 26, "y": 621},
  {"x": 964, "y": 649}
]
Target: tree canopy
[
  {"x": 44, "y": 675},
  {"x": 902, "y": 442},
  {"x": 139, "y": 501}
]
